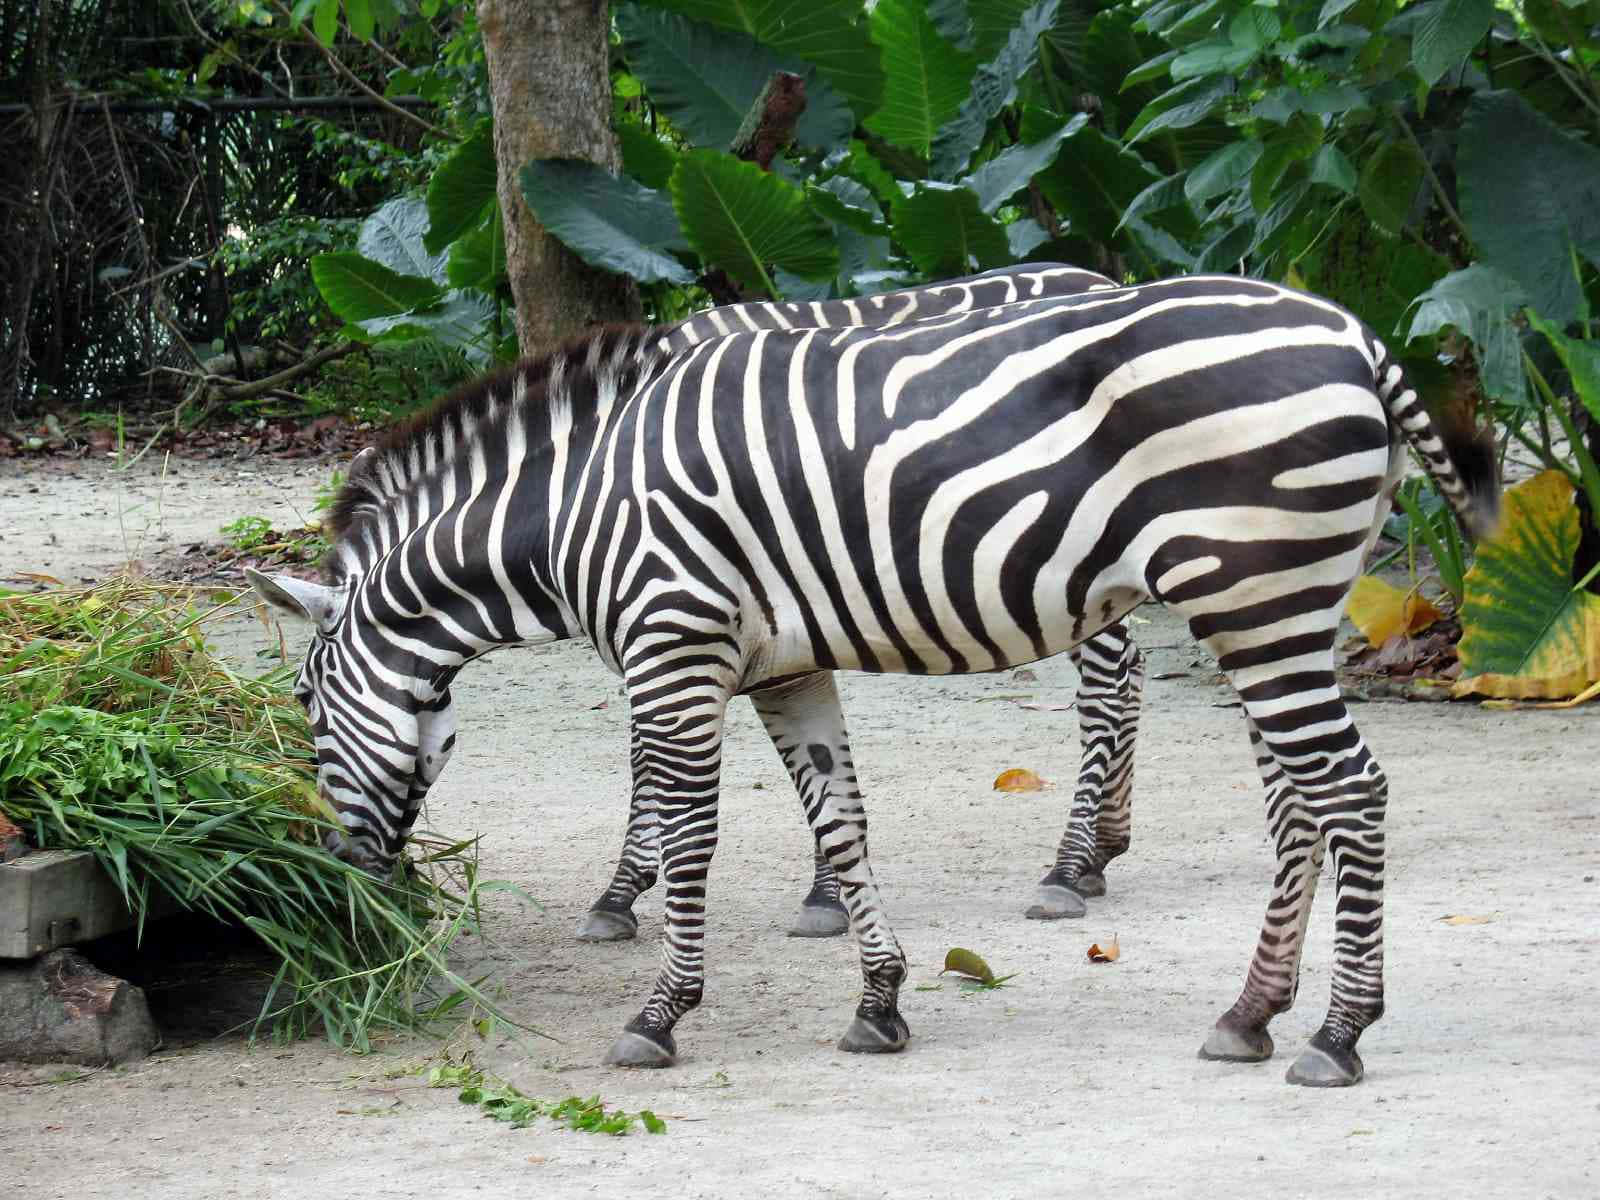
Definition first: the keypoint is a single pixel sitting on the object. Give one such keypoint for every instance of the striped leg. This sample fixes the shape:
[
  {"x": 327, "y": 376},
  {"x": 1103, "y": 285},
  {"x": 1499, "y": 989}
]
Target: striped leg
[
  {"x": 806, "y": 725},
  {"x": 1324, "y": 790},
  {"x": 1110, "y": 691},
  {"x": 1241, "y": 1033},
  {"x": 611, "y": 918},
  {"x": 677, "y": 762}
]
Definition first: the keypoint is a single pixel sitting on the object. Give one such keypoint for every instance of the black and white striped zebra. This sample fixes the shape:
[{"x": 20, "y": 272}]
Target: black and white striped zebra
[
  {"x": 1109, "y": 665},
  {"x": 956, "y": 494}
]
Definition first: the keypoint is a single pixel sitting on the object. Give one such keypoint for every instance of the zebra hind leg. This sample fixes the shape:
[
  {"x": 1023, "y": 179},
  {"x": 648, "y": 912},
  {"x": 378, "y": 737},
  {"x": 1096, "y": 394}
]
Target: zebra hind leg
[
  {"x": 1241, "y": 1033},
  {"x": 806, "y": 725},
  {"x": 611, "y": 918},
  {"x": 1111, "y": 674},
  {"x": 1331, "y": 793}
]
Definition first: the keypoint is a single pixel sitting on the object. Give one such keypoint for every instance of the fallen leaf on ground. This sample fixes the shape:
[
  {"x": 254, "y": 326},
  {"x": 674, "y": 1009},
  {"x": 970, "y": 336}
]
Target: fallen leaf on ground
[
  {"x": 1046, "y": 707},
  {"x": 1382, "y": 611},
  {"x": 1109, "y": 953},
  {"x": 1470, "y": 918},
  {"x": 1024, "y": 676},
  {"x": 965, "y": 962},
  {"x": 1018, "y": 779}
]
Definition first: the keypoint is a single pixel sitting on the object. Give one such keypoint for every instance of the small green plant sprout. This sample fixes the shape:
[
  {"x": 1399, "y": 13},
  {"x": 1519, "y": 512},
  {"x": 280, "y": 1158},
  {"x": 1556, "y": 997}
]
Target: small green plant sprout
[
  {"x": 247, "y": 533},
  {"x": 975, "y": 972},
  {"x": 500, "y": 1101},
  {"x": 328, "y": 492}
]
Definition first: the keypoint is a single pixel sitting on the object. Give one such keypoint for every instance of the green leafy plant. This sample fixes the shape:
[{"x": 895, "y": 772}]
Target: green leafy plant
[
  {"x": 120, "y": 734},
  {"x": 500, "y": 1101},
  {"x": 247, "y": 533}
]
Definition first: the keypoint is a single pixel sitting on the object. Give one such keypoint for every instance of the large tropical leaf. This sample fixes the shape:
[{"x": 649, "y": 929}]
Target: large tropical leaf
[
  {"x": 1526, "y": 630},
  {"x": 461, "y": 188},
  {"x": 1093, "y": 182},
  {"x": 1179, "y": 107},
  {"x": 742, "y": 218},
  {"x": 1479, "y": 302},
  {"x": 993, "y": 87},
  {"x": 1388, "y": 185},
  {"x": 945, "y": 231},
  {"x": 462, "y": 319},
  {"x": 1009, "y": 171},
  {"x": 1530, "y": 195},
  {"x": 925, "y": 77},
  {"x": 1370, "y": 274},
  {"x": 356, "y": 288},
  {"x": 609, "y": 222},
  {"x": 831, "y": 34},
  {"x": 394, "y": 237},
  {"x": 706, "y": 78},
  {"x": 478, "y": 257},
  {"x": 1446, "y": 33}
]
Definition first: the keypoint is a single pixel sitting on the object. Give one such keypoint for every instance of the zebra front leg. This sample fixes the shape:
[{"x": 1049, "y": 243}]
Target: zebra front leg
[
  {"x": 1110, "y": 684},
  {"x": 677, "y": 763},
  {"x": 1341, "y": 795},
  {"x": 1240, "y": 1034},
  {"x": 806, "y": 725},
  {"x": 611, "y": 918}
]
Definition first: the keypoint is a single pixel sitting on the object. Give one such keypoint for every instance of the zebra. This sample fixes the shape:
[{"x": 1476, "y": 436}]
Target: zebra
[
  {"x": 965, "y": 493},
  {"x": 1110, "y": 668}
]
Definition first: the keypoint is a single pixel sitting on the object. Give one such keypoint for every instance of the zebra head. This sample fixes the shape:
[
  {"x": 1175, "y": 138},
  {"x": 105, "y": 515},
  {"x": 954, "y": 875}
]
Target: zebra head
[{"x": 382, "y": 734}]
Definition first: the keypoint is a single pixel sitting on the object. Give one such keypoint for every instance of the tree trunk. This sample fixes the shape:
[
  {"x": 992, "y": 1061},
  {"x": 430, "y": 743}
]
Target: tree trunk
[{"x": 551, "y": 87}]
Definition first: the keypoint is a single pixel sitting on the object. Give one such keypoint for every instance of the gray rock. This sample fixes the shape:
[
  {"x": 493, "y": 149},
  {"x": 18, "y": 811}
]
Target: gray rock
[{"x": 62, "y": 1008}]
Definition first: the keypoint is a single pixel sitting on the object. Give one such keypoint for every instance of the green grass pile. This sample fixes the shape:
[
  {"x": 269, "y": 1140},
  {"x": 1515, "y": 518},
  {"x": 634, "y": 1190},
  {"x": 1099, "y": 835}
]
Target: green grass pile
[{"x": 121, "y": 734}]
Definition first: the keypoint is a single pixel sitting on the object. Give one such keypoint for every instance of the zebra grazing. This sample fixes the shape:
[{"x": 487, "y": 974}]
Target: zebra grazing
[
  {"x": 1109, "y": 665},
  {"x": 958, "y": 494}
]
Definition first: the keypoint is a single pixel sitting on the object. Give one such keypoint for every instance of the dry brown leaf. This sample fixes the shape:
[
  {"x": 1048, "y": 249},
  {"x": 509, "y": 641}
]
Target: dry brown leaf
[
  {"x": 1470, "y": 918},
  {"x": 1018, "y": 779},
  {"x": 1108, "y": 953}
]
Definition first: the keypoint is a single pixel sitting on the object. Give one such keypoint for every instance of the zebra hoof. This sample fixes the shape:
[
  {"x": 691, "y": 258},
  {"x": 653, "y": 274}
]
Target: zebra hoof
[
  {"x": 607, "y": 925},
  {"x": 1234, "y": 1043},
  {"x": 1091, "y": 884},
  {"x": 876, "y": 1035},
  {"x": 1321, "y": 1068},
  {"x": 634, "y": 1049},
  {"x": 820, "y": 920},
  {"x": 1054, "y": 901}
]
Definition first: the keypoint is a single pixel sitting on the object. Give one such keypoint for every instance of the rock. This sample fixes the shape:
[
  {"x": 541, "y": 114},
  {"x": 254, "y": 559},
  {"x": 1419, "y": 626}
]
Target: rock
[
  {"x": 12, "y": 845},
  {"x": 62, "y": 1008}
]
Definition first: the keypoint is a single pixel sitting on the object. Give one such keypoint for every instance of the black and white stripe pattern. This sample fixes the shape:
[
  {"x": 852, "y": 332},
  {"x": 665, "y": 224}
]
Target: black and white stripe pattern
[
  {"x": 945, "y": 495},
  {"x": 1108, "y": 697}
]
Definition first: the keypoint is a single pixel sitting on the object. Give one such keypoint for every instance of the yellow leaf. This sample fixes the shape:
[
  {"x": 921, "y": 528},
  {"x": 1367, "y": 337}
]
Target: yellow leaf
[
  {"x": 1527, "y": 633},
  {"x": 1381, "y": 610},
  {"x": 1470, "y": 919},
  {"x": 1018, "y": 779},
  {"x": 1109, "y": 953}
]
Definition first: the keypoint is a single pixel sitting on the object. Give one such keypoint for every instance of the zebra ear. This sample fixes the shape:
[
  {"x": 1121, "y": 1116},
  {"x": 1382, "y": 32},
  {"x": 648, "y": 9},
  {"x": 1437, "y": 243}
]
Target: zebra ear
[
  {"x": 362, "y": 463},
  {"x": 315, "y": 602}
]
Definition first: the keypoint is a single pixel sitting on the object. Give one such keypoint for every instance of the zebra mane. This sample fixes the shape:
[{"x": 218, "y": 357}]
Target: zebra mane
[{"x": 546, "y": 393}]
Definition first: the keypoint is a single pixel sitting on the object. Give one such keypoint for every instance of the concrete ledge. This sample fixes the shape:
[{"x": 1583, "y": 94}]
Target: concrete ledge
[{"x": 55, "y": 898}]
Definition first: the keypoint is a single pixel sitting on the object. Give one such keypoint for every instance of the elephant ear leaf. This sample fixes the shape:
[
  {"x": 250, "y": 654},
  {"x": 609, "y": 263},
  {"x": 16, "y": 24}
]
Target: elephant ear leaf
[
  {"x": 1528, "y": 631},
  {"x": 609, "y": 222},
  {"x": 742, "y": 219}
]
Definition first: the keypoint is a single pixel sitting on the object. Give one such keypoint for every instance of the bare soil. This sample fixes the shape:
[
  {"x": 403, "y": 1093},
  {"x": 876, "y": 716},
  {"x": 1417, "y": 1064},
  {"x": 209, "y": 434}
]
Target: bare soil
[{"x": 1073, "y": 1079}]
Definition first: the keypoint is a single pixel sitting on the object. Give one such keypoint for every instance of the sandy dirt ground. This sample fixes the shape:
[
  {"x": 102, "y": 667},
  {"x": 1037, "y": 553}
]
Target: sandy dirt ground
[{"x": 1075, "y": 1079}]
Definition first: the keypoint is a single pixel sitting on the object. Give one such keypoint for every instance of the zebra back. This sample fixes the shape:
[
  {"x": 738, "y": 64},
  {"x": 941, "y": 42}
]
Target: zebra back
[{"x": 1004, "y": 285}]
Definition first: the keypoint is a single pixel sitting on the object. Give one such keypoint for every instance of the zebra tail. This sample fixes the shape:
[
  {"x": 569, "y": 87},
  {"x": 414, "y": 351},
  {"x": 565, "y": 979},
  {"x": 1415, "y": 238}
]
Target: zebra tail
[{"x": 1460, "y": 459}]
